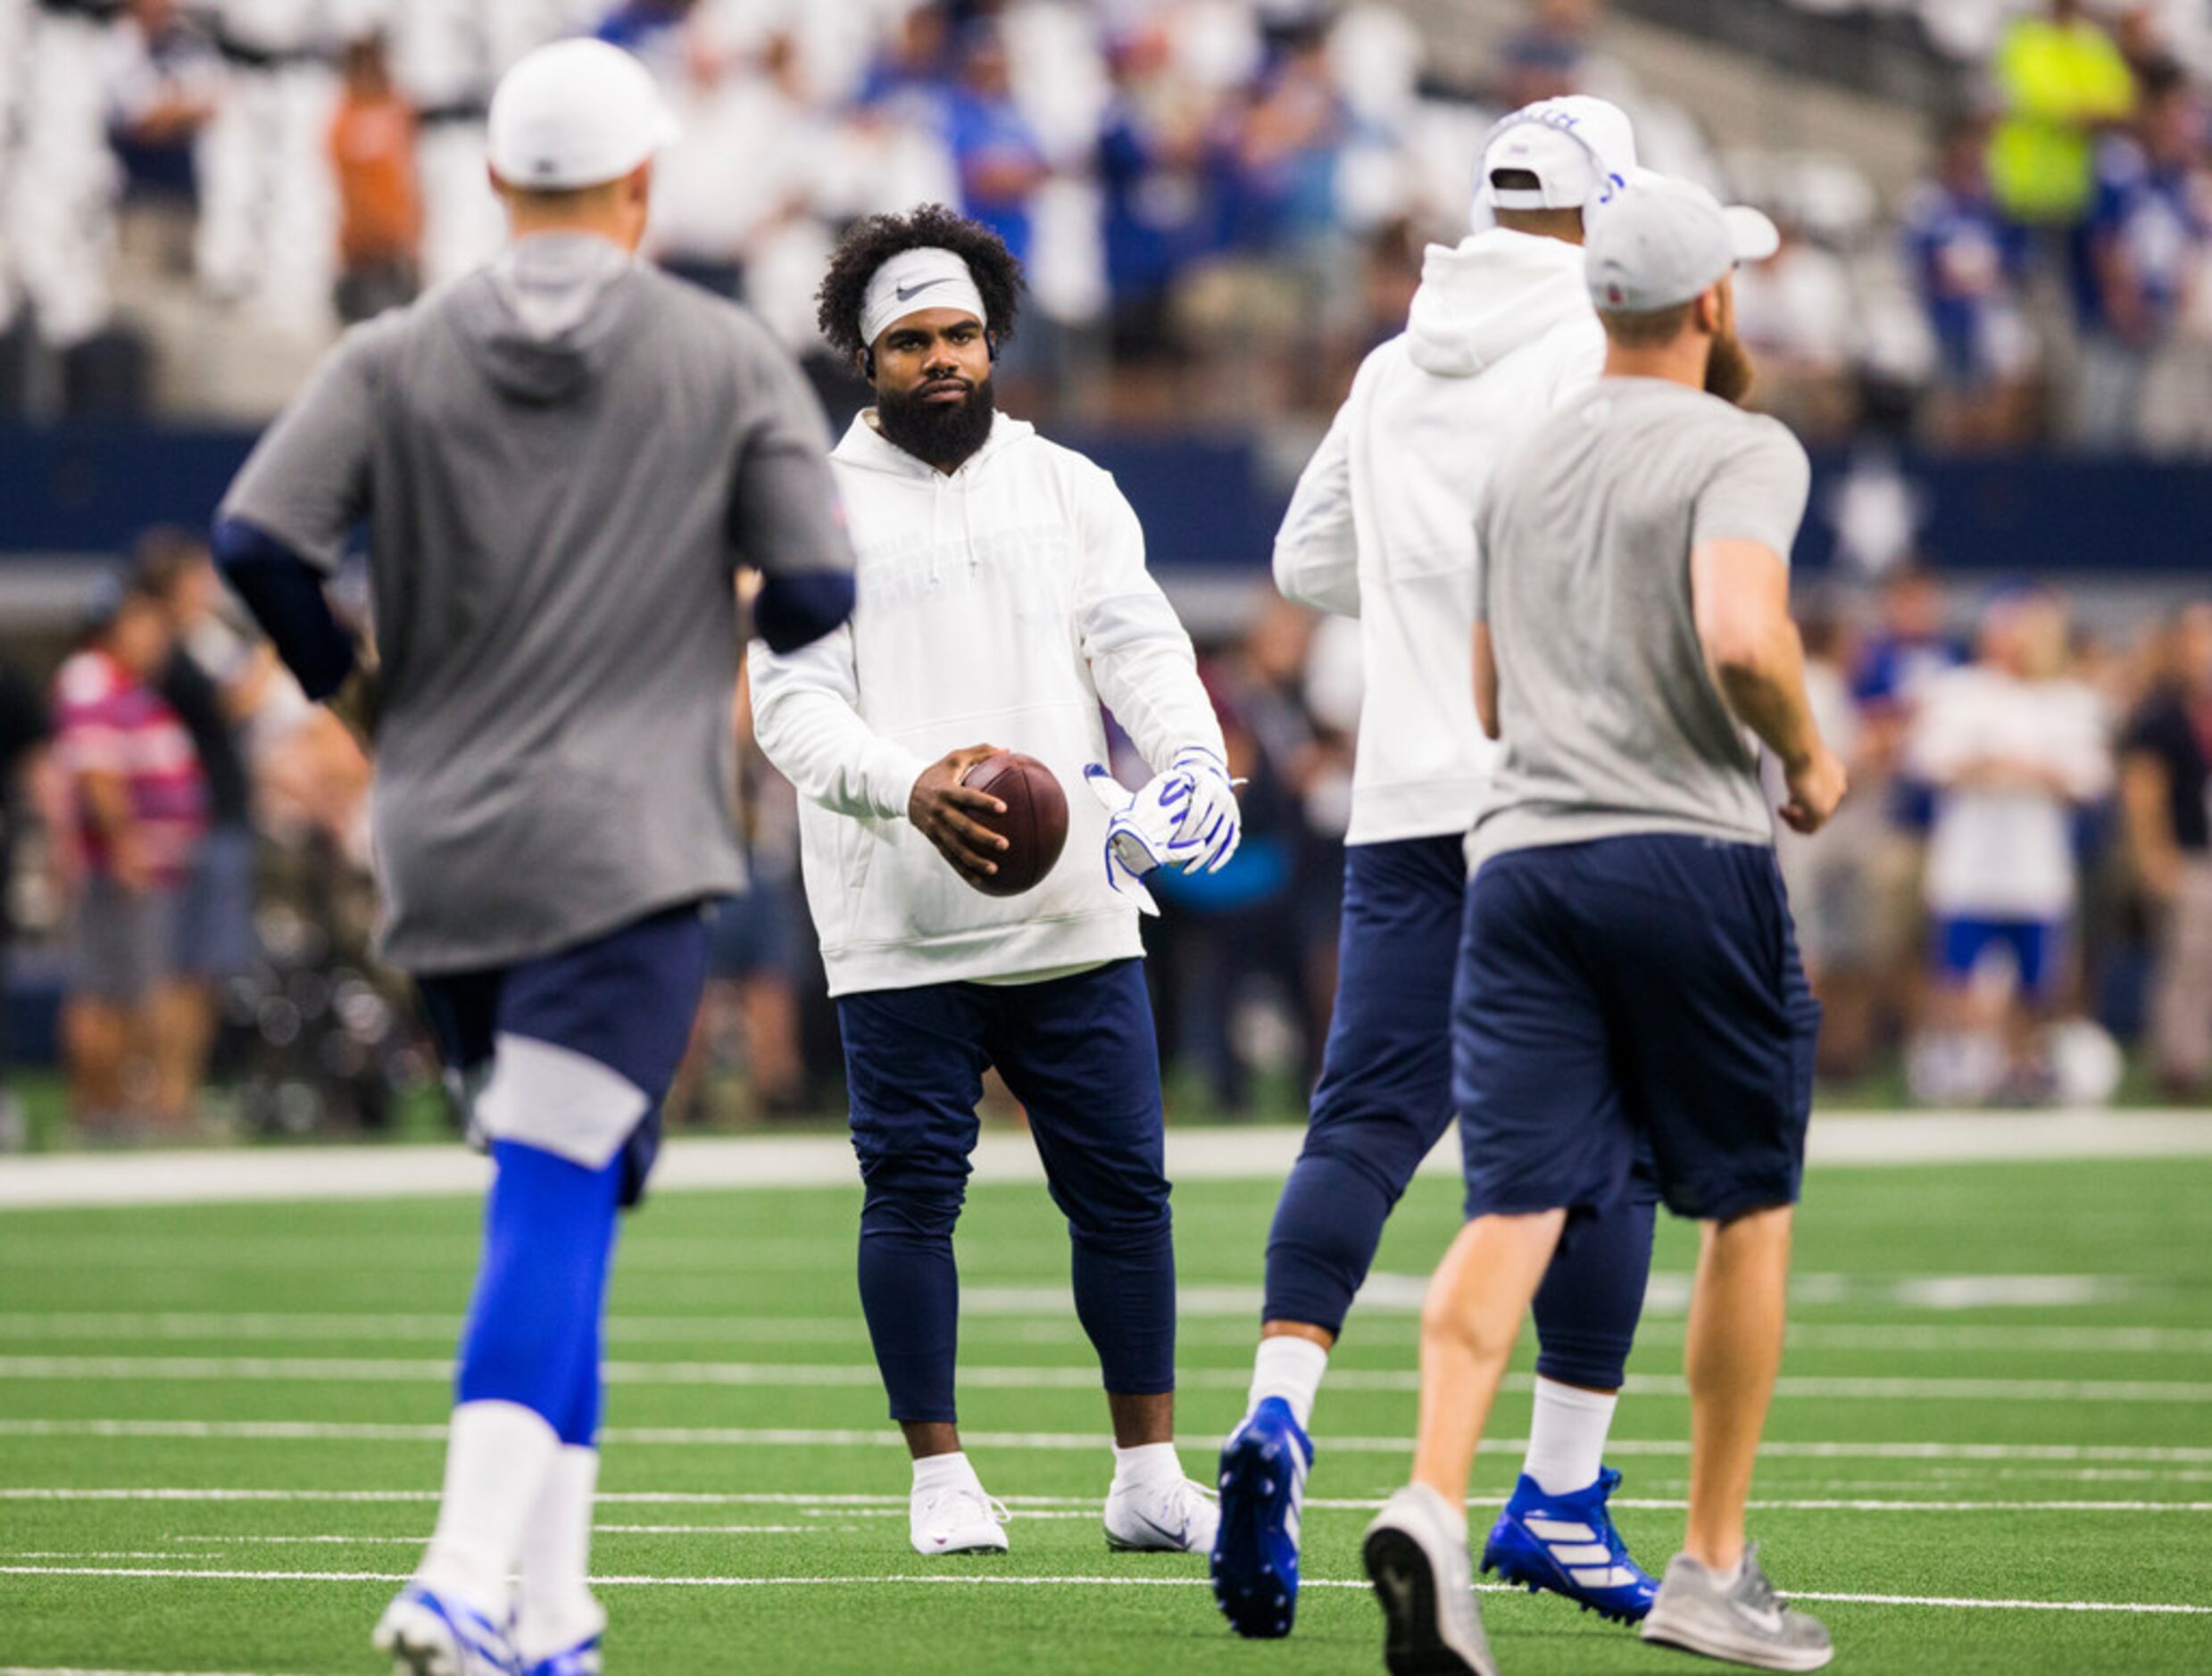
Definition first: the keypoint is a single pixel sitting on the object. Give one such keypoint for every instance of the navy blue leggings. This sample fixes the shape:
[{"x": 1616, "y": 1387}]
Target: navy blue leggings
[
  {"x": 1384, "y": 1099},
  {"x": 1080, "y": 1054}
]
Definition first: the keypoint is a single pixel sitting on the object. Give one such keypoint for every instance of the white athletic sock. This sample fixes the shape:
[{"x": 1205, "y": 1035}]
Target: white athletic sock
[
  {"x": 554, "y": 1608},
  {"x": 1289, "y": 1367},
  {"x": 1146, "y": 1464},
  {"x": 945, "y": 1471},
  {"x": 497, "y": 1458},
  {"x": 1567, "y": 1436}
]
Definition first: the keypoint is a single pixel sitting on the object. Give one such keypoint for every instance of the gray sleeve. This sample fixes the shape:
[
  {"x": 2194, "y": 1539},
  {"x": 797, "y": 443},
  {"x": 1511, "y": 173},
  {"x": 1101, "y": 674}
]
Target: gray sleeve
[
  {"x": 307, "y": 482},
  {"x": 1756, "y": 493},
  {"x": 785, "y": 518}
]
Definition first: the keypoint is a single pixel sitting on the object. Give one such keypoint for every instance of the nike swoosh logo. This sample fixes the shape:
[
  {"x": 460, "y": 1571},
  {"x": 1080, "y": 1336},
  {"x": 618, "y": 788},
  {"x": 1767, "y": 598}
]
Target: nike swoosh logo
[
  {"x": 1769, "y": 1620},
  {"x": 906, "y": 292},
  {"x": 1179, "y": 1537}
]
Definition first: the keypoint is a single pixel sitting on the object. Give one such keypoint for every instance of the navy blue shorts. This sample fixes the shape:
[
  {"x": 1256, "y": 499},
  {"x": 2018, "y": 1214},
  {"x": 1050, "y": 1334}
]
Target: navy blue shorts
[
  {"x": 1640, "y": 989},
  {"x": 626, "y": 1000}
]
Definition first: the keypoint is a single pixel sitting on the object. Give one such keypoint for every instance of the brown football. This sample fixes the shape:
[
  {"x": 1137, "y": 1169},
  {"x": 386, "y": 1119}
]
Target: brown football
[{"x": 1034, "y": 824}]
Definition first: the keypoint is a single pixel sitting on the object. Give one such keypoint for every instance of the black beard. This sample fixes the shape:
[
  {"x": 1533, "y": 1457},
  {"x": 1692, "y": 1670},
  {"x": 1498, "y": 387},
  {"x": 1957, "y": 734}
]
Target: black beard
[{"x": 942, "y": 434}]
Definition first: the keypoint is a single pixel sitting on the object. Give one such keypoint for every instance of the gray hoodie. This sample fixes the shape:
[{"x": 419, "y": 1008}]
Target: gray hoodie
[{"x": 560, "y": 462}]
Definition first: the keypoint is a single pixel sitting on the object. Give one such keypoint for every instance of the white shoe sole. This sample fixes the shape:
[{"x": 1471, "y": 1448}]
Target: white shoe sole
[
  {"x": 993, "y": 1543},
  {"x": 415, "y": 1651},
  {"x": 1414, "y": 1641},
  {"x": 1714, "y": 1641}
]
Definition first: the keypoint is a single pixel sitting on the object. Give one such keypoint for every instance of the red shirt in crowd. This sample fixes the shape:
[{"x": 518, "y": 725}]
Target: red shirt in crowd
[{"x": 108, "y": 721}]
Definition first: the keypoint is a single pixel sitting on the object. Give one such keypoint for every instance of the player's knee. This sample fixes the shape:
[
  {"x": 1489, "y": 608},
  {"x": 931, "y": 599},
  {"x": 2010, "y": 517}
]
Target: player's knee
[
  {"x": 912, "y": 1208},
  {"x": 1449, "y": 1316}
]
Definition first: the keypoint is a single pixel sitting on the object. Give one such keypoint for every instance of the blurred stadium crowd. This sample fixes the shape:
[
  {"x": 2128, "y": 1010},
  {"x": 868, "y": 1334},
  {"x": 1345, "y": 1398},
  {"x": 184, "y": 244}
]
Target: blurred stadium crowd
[
  {"x": 1222, "y": 201},
  {"x": 1223, "y": 204},
  {"x": 2022, "y": 882}
]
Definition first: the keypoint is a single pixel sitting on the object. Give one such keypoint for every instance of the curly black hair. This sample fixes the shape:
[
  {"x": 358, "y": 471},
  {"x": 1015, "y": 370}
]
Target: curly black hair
[{"x": 872, "y": 242}]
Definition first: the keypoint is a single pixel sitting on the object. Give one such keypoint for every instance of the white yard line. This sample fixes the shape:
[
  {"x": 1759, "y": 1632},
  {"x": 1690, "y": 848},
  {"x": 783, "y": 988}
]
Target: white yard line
[
  {"x": 1240, "y": 1154},
  {"x": 139, "y": 1370},
  {"x": 866, "y": 1503},
  {"x": 2068, "y": 1455},
  {"x": 974, "y": 1579},
  {"x": 1053, "y": 1322}
]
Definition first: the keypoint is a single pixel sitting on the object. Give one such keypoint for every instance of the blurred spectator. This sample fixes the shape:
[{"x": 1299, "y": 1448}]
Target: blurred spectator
[
  {"x": 24, "y": 730},
  {"x": 1909, "y": 651},
  {"x": 165, "y": 84},
  {"x": 139, "y": 803},
  {"x": 1151, "y": 168},
  {"x": 1969, "y": 264},
  {"x": 1001, "y": 165},
  {"x": 205, "y": 681},
  {"x": 1830, "y": 874},
  {"x": 748, "y": 1024},
  {"x": 1260, "y": 930},
  {"x": 2141, "y": 247},
  {"x": 2166, "y": 787},
  {"x": 1796, "y": 314},
  {"x": 372, "y": 151},
  {"x": 2062, "y": 80},
  {"x": 2016, "y": 750},
  {"x": 1549, "y": 56}
]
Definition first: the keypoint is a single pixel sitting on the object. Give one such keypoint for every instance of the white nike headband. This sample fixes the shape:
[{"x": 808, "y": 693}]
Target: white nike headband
[{"x": 929, "y": 277}]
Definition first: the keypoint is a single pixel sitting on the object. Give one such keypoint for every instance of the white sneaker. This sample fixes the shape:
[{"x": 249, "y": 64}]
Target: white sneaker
[
  {"x": 1172, "y": 1515},
  {"x": 1415, "y": 1553},
  {"x": 958, "y": 1520}
]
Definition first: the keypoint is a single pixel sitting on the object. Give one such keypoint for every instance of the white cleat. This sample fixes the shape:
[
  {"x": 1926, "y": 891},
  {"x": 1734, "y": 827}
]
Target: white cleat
[
  {"x": 961, "y": 1520},
  {"x": 428, "y": 1634},
  {"x": 1172, "y": 1516}
]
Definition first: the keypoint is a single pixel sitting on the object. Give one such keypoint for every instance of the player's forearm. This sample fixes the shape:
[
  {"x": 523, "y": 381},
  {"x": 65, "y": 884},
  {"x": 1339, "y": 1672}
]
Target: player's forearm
[
  {"x": 1763, "y": 681},
  {"x": 285, "y": 594},
  {"x": 820, "y": 744},
  {"x": 1156, "y": 694}
]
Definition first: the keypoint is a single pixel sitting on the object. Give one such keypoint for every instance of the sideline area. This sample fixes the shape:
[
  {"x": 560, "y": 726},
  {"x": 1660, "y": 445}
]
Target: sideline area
[{"x": 90, "y": 1179}]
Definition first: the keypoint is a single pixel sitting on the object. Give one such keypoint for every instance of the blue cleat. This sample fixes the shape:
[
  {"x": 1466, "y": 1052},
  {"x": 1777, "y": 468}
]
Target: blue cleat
[
  {"x": 429, "y": 1634},
  {"x": 580, "y": 1660},
  {"x": 1568, "y": 1543},
  {"x": 1255, "y": 1556}
]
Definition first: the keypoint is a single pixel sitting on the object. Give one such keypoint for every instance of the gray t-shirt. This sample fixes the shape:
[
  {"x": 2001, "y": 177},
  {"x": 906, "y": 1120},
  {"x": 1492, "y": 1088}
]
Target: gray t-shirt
[
  {"x": 1611, "y": 722},
  {"x": 561, "y": 460}
]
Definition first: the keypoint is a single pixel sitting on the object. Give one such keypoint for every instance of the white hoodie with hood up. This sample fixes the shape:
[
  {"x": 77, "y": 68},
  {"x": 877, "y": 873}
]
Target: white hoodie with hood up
[
  {"x": 998, "y": 605},
  {"x": 1382, "y": 525}
]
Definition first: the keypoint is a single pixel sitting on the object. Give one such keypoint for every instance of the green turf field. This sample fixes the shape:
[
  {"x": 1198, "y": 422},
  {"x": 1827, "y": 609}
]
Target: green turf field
[{"x": 218, "y": 1436}]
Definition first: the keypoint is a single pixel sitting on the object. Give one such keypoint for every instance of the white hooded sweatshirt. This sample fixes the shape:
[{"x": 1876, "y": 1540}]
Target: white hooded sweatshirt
[
  {"x": 1382, "y": 525},
  {"x": 999, "y": 604}
]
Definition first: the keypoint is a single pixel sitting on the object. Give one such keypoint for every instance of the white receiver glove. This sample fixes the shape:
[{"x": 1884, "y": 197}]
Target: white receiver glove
[
  {"x": 1186, "y": 815},
  {"x": 1140, "y": 834},
  {"x": 1212, "y": 824}
]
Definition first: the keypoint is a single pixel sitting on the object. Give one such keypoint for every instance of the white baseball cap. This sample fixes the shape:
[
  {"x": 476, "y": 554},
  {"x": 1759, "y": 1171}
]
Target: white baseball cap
[
  {"x": 1666, "y": 240},
  {"x": 1582, "y": 152},
  {"x": 576, "y": 113}
]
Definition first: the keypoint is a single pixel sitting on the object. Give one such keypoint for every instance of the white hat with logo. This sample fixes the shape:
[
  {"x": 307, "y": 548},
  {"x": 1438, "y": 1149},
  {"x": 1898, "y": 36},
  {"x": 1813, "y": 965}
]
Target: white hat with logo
[
  {"x": 1665, "y": 240},
  {"x": 1577, "y": 153},
  {"x": 576, "y": 113}
]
